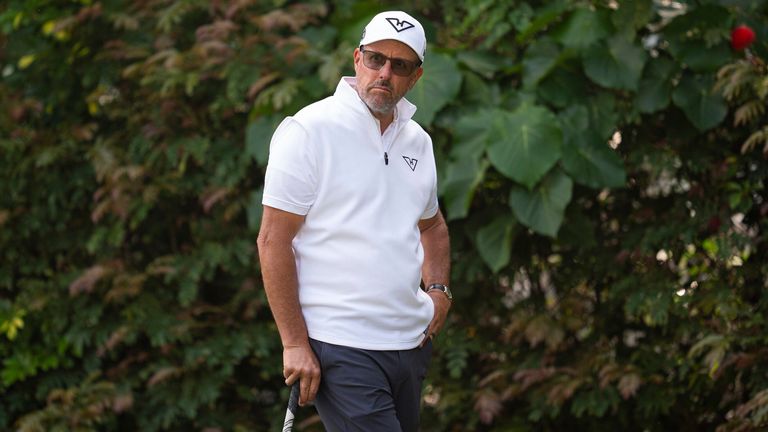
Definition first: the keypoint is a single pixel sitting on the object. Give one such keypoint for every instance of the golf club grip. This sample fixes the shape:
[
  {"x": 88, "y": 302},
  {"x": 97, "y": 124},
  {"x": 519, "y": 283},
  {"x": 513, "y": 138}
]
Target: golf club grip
[{"x": 293, "y": 405}]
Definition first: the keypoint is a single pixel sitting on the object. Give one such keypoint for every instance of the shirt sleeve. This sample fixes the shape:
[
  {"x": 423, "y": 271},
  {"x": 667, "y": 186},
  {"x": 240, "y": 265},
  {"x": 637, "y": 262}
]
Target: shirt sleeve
[
  {"x": 290, "y": 183},
  {"x": 432, "y": 208},
  {"x": 432, "y": 205}
]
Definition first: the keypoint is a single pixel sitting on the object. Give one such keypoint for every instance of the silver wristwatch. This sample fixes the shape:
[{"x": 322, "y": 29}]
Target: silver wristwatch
[{"x": 440, "y": 287}]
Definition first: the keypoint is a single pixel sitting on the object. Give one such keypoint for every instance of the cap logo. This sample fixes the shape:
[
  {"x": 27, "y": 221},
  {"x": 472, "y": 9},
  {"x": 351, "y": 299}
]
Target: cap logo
[{"x": 400, "y": 25}]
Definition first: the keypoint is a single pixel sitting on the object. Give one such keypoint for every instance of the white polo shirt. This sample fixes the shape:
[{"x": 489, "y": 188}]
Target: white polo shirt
[{"x": 358, "y": 253}]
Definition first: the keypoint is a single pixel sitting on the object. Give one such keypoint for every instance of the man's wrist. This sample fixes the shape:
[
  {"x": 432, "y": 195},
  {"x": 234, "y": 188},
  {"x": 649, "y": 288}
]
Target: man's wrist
[{"x": 441, "y": 288}]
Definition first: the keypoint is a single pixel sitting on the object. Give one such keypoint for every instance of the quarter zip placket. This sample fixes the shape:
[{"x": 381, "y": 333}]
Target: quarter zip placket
[{"x": 387, "y": 139}]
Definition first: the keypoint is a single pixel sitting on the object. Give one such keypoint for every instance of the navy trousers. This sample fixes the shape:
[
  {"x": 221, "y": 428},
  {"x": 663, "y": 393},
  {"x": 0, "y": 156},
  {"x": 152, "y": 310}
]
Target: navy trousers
[{"x": 371, "y": 391}]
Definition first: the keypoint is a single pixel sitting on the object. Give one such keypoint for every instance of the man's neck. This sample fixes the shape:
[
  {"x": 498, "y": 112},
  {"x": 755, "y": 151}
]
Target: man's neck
[{"x": 385, "y": 119}]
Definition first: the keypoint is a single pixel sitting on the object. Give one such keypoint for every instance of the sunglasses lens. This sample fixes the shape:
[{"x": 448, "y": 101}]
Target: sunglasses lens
[
  {"x": 376, "y": 61},
  {"x": 400, "y": 67}
]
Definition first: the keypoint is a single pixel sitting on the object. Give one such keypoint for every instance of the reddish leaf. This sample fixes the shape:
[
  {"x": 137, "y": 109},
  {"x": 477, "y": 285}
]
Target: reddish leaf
[
  {"x": 86, "y": 282},
  {"x": 628, "y": 385},
  {"x": 488, "y": 406}
]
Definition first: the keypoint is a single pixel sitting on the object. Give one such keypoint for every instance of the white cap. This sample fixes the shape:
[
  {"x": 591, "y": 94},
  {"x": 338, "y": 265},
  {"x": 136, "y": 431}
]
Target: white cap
[{"x": 398, "y": 26}]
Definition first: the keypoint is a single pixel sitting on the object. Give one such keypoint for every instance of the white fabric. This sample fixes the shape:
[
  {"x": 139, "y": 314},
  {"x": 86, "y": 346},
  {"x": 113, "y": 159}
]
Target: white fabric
[
  {"x": 358, "y": 253},
  {"x": 398, "y": 26}
]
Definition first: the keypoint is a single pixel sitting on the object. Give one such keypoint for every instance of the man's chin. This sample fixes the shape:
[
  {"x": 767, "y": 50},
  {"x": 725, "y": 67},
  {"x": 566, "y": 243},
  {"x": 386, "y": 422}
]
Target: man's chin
[{"x": 379, "y": 106}]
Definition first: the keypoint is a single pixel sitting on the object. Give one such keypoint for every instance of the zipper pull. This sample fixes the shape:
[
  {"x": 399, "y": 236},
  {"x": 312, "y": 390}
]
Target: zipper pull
[{"x": 386, "y": 159}]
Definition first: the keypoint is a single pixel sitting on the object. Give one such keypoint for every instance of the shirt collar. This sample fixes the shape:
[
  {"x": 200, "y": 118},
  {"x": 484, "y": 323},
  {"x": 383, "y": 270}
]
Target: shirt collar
[{"x": 347, "y": 91}]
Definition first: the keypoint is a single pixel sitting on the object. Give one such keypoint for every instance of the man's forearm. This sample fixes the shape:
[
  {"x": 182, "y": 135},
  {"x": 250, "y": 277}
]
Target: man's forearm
[
  {"x": 437, "y": 251},
  {"x": 278, "y": 268}
]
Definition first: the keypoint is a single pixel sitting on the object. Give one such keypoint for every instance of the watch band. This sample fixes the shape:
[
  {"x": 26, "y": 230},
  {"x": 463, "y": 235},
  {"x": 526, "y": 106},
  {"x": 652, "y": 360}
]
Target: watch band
[{"x": 442, "y": 288}]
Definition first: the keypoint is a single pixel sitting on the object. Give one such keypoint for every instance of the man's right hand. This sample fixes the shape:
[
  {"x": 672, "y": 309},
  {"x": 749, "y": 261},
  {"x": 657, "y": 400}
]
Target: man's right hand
[{"x": 300, "y": 363}]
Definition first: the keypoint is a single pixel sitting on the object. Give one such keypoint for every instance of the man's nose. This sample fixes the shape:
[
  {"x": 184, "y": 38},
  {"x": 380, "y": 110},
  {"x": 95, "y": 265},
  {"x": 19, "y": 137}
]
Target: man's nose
[{"x": 386, "y": 71}]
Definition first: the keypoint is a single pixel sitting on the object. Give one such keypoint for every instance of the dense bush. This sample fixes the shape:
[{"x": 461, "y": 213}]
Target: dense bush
[{"x": 602, "y": 166}]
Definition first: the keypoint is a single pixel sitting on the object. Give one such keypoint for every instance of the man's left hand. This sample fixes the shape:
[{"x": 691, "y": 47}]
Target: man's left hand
[{"x": 442, "y": 305}]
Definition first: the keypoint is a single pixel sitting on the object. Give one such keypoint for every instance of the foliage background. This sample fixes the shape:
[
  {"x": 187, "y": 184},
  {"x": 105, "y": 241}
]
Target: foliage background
[{"x": 602, "y": 166}]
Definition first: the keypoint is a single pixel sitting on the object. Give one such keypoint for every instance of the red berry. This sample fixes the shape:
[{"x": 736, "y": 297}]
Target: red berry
[{"x": 742, "y": 37}]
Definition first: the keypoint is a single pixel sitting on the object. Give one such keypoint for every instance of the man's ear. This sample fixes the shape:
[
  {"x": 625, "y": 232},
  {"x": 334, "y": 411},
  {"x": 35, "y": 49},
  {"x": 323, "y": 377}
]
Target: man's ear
[
  {"x": 416, "y": 77},
  {"x": 357, "y": 56}
]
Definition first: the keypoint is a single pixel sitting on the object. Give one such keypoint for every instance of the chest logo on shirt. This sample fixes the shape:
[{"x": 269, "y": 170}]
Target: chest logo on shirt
[{"x": 411, "y": 162}]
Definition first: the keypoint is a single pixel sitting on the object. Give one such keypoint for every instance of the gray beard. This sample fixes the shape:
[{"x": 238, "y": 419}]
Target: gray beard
[
  {"x": 380, "y": 108},
  {"x": 377, "y": 106}
]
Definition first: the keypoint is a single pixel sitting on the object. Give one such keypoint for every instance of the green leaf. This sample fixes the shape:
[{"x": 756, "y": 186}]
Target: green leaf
[
  {"x": 438, "y": 85},
  {"x": 591, "y": 162},
  {"x": 712, "y": 340},
  {"x": 617, "y": 64},
  {"x": 462, "y": 177},
  {"x": 257, "y": 138},
  {"x": 471, "y": 133},
  {"x": 525, "y": 144},
  {"x": 540, "y": 58},
  {"x": 702, "y": 106},
  {"x": 603, "y": 114},
  {"x": 698, "y": 57},
  {"x": 484, "y": 63},
  {"x": 543, "y": 17},
  {"x": 479, "y": 92},
  {"x": 595, "y": 402},
  {"x": 494, "y": 241},
  {"x": 583, "y": 28},
  {"x": 542, "y": 209},
  {"x": 563, "y": 87},
  {"x": 635, "y": 12},
  {"x": 574, "y": 119},
  {"x": 656, "y": 85}
]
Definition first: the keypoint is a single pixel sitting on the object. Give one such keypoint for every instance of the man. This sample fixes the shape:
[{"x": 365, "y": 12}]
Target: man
[{"x": 351, "y": 228}]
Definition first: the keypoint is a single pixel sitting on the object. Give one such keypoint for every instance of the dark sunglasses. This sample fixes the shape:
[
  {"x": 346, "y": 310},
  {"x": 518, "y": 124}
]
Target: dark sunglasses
[{"x": 376, "y": 60}]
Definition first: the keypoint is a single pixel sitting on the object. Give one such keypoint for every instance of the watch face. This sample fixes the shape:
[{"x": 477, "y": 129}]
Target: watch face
[{"x": 448, "y": 292}]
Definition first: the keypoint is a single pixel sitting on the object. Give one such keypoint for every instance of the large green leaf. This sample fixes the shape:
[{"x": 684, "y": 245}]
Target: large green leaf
[
  {"x": 690, "y": 53},
  {"x": 617, "y": 64},
  {"x": 540, "y": 57},
  {"x": 544, "y": 16},
  {"x": 525, "y": 144},
  {"x": 258, "y": 134},
  {"x": 574, "y": 119},
  {"x": 484, "y": 63},
  {"x": 471, "y": 133},
  {"x": 494, "y": 241},
  {"x": 591, "y": 162},
  {"x": 479, "y": 92},
  {"x": 583, "y": 28},
  {"x": 437, "y": 86},
  {"x": 563, "y": 87},
  {"x": 636, "y": 13},
  {"x": 462, "y": 177},
  {"x": 656, "y": 85},
  {"x": 467, "y": 169},
  {"x": 698, "y": 38},
  {"x": 702, "y": 106},
  {"x": 542, "y": 209},
  {"x": 603, "y": 114}
]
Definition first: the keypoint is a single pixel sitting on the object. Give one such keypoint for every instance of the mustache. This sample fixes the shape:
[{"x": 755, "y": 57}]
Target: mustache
[{"x": 381, "y": 83}]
